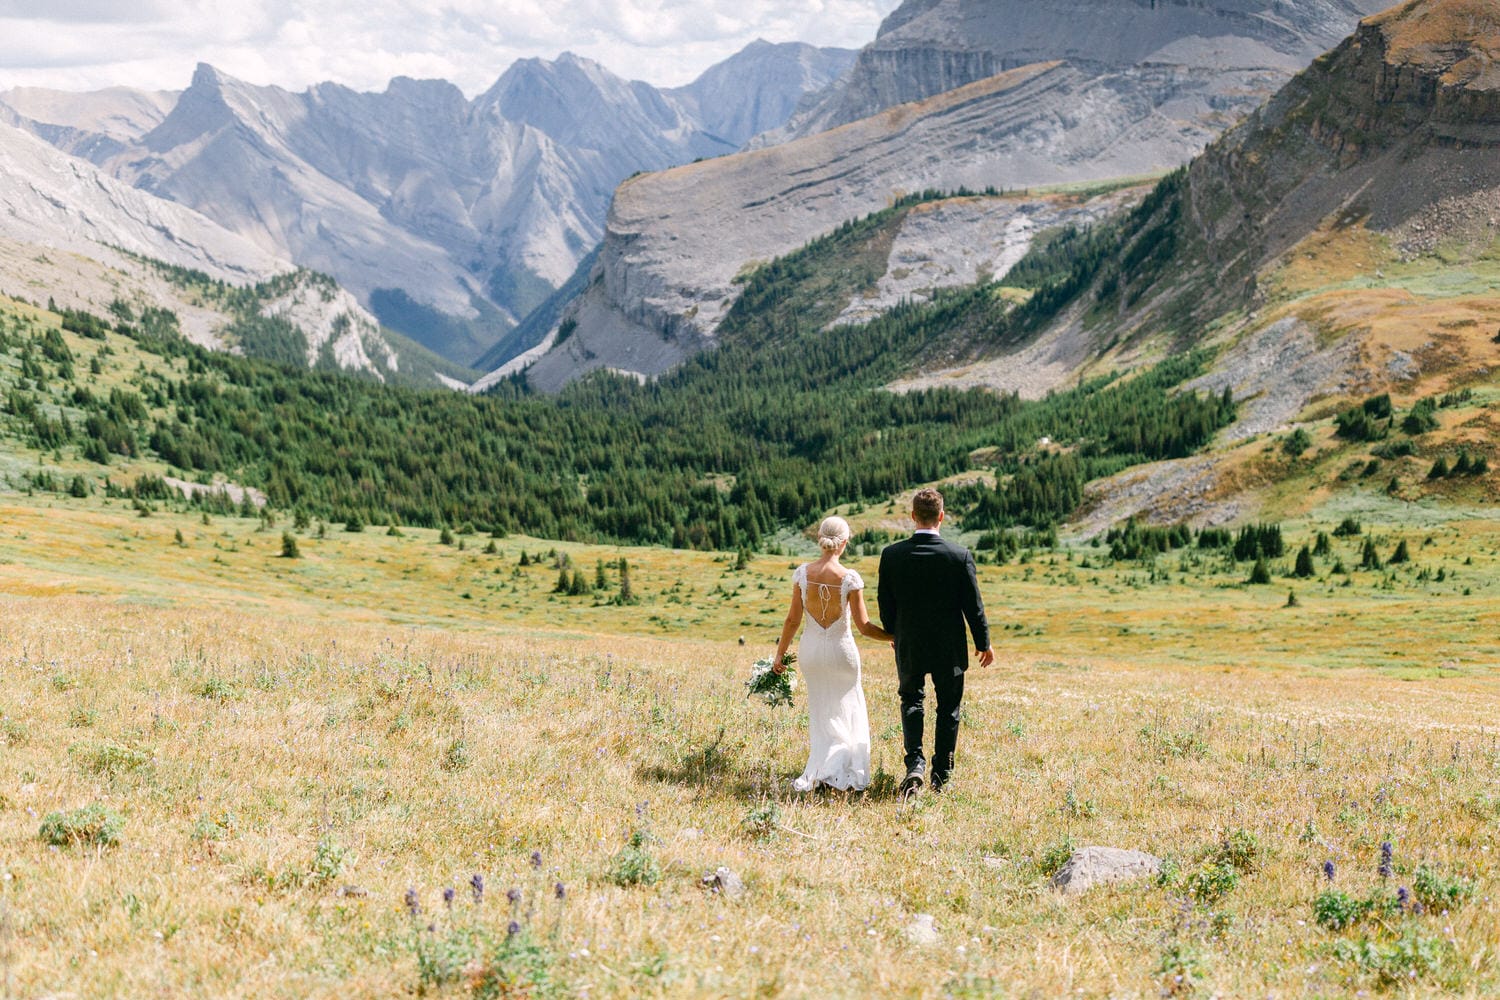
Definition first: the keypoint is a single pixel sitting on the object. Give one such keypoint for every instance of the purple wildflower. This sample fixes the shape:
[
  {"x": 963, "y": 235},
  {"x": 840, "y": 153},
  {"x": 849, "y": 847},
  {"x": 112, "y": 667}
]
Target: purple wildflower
[
  {"x": 1387, "y": 869},
  {"x": 514, "y": 895},
  {"x": 412, "y": 905},
  {"x": 536, "y": 859},
  {"x": 560, "y": 891},
  {"x": 448, "y": 895},
  {"x": 512, "y": 929},
  {"x": 1328, "y": 869},
  {"x": 1403, "y": 898},
  {"x": 477, "y": 884}
]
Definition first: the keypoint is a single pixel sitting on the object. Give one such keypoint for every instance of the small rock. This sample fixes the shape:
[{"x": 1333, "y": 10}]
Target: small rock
[
  {"x": 1093, "y": 866},
  {"x": 921, "y": 930},
  {"x": 358, "y": 892},
  {"x": 989, "y": 861},
  {"x": 724, "y": 882}
]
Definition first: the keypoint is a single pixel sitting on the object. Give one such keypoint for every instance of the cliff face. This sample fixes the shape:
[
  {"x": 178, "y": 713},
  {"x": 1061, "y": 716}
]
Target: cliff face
[{"x": 928, "y": 46}]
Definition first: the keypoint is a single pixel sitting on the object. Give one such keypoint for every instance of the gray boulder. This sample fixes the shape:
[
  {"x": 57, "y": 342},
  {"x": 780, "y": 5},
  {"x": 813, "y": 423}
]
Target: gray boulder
[
  {"x": 724, "y": 882},
  {"x": 1093, "y": 866}
]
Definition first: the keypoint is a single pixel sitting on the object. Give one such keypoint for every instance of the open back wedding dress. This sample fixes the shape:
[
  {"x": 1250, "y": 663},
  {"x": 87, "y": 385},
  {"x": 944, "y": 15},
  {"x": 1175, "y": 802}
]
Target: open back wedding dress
[{"x": 838, "y": 725}]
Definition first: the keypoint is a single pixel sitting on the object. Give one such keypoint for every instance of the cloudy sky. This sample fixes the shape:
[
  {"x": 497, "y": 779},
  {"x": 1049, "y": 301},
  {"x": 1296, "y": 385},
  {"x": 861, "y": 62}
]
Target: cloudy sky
[{"x": 87, "y": 44}]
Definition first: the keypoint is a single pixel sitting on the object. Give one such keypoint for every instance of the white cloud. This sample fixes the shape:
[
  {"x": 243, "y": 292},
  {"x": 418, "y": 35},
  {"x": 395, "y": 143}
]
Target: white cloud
[{"x": 84, "y": 44}]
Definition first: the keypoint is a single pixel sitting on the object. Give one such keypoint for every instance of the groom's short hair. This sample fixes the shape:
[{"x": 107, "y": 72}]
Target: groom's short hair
[{"x": 926, "y": 506}]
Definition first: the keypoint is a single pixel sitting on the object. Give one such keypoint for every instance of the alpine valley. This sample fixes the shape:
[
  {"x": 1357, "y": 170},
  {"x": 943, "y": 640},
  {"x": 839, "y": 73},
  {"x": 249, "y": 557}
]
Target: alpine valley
[{"x": 397, "y": 488}]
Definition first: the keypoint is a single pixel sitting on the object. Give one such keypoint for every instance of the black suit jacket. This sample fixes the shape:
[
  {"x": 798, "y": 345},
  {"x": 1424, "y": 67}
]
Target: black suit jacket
[{"x": 928, "y": 590}]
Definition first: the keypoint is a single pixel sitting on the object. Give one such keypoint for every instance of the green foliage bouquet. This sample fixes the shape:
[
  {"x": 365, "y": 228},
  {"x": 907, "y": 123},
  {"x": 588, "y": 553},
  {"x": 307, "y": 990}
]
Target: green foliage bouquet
[{"x": 771, "y": 687}]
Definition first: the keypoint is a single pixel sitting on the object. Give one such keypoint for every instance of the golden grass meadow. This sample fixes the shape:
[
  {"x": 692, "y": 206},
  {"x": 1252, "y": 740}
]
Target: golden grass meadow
[{"x": 392, "y": 767}]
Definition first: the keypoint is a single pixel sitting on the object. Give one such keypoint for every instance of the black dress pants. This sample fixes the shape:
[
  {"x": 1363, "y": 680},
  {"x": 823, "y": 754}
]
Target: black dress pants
[{"x": 948, "y": 685}]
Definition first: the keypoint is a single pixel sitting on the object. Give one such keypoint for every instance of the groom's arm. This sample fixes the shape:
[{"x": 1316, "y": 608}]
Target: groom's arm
[
  {"x": 973, "y": 608},
  {"x": 885, "y": 594}
]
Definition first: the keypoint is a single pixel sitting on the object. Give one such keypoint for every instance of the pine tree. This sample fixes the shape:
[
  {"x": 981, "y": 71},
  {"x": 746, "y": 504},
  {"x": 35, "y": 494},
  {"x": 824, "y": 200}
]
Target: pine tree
[
  {"x": 289, "y": 548},
  {"x": 627, "y": 593},
  {"x": 600, "y": 581},
  {"x": 1439, "y": 468},
  {"x": 1304, "y": 567},
  {"x": 564, "y": 582},
  {"x": 445, "y": 537},
  {"x": 1369, "y": 558},
  {"x": 525, "y": 560},
  {"x": 1401, "y": 555},
  {"x": 1323, "y": 545},
  {"x": 1260, "y": 572}
]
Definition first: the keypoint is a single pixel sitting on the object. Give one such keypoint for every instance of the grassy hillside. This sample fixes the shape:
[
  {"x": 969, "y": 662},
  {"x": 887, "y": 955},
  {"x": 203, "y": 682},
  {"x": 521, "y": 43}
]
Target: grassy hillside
[{"x": 280, "y": 759}]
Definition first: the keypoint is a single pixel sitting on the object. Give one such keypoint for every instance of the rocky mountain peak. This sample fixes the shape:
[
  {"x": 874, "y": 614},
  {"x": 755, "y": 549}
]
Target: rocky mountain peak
[
  {"x": 759, "y": 87},
  {"x": 202, "y": 108}
]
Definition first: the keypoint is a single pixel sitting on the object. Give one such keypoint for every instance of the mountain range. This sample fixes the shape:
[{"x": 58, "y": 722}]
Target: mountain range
[
  {"x": 1000, "y": 95},
  {"x": 449, "y": 218},
  {"x": 82, "y": 240}
]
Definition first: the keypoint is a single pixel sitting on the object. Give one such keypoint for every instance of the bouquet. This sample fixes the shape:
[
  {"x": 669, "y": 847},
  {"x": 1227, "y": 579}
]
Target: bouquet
[{"x": 769, "y": 686}]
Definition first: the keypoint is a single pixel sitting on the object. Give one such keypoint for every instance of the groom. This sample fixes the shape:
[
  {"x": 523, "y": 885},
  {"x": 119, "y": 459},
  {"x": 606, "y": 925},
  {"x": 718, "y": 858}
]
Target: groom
[{"x": 928, "y": 590}]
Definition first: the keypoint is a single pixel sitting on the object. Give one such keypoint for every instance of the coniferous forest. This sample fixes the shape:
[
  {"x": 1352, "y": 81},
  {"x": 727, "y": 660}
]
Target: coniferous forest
[{"x": 781, "y": 422}]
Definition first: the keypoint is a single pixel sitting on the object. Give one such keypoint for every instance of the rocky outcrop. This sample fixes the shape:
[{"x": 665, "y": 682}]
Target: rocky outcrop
[
  {"x": 452, "y": 218},
  {"x": 1401, "y": 117}
]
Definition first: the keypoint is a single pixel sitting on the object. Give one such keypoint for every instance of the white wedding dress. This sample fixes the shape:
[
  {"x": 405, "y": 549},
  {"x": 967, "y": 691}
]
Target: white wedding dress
[{"x": 838, "y": 725}]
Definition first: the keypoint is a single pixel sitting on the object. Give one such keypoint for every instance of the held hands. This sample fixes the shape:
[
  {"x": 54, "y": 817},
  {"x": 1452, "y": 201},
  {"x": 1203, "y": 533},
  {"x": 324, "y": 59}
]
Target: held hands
[{"x": 986, "y": 656}]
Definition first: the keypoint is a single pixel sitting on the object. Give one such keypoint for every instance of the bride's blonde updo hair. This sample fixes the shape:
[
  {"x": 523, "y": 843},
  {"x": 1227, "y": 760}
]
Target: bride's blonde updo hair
[{"x": 833, "y": 533}]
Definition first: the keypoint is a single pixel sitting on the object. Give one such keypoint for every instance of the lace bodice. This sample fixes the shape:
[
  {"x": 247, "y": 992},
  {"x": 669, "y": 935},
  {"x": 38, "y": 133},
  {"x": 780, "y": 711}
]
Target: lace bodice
[{"x": 817, "y": 598}]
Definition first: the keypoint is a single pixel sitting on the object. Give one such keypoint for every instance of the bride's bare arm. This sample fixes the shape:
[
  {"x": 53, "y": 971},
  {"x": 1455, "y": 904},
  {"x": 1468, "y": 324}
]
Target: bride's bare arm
[
  {"x": 862, "y": 618},
  {"x": 788, "y": 628}
]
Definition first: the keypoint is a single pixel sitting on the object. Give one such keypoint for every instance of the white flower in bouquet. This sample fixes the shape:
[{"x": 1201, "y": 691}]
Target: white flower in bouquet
[{"x": 769, "y": 686}]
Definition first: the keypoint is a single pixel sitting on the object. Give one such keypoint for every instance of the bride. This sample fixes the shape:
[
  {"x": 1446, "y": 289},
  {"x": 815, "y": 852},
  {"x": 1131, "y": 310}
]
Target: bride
[{"x": 832, "y": 597}]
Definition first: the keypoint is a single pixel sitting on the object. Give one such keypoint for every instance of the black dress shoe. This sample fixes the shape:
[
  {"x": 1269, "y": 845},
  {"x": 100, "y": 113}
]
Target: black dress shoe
[
  {"x": 911, "y": 784},
  {"x": 939, "y": 782}
]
